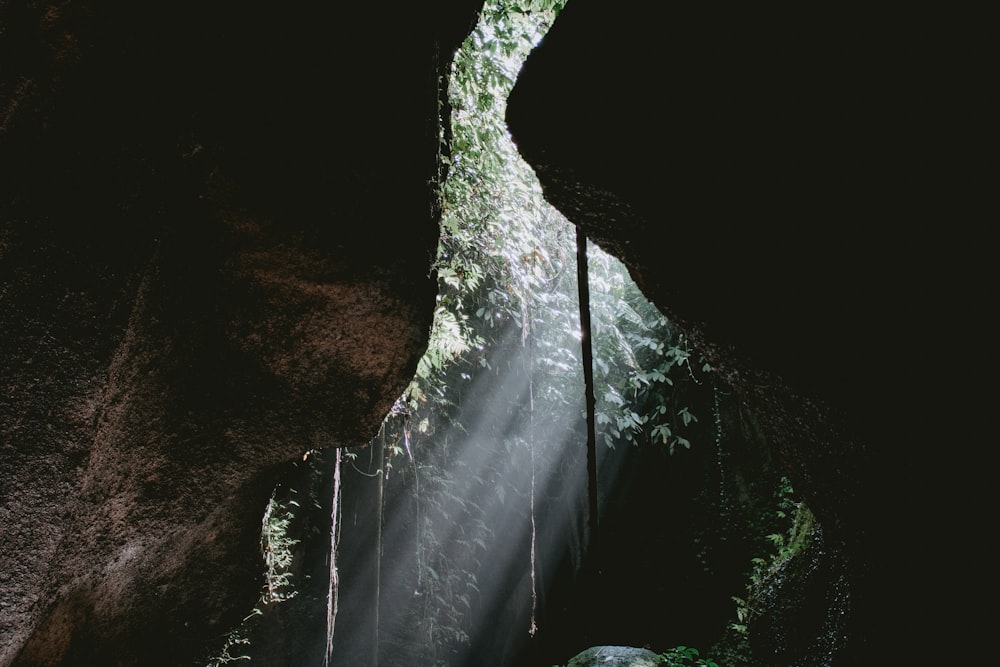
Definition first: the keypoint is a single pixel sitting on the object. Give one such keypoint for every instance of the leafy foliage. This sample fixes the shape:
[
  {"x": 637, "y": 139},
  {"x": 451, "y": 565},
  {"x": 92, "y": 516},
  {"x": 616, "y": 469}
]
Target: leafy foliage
[
  {"x": 798, "y": 521},
  {"x": 643, "y": 365},
  {"x": 681, "y": 656},
  {"x": 277, "y": 550},
  {"x": 506, "y": 270}
]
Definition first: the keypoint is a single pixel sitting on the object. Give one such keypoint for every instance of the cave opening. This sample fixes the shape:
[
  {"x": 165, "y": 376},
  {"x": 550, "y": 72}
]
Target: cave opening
[
  {"x": 461, "y": 534},
  {"x": 218, "y": 225}
]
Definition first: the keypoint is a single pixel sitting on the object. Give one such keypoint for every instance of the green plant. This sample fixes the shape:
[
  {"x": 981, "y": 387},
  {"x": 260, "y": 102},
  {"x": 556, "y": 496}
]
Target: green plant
[
  {"x": 682, "y": 656},
  {"x": 277, "y": 551},
  {"x": 642, "y": 365},
  {"x": 796, "y": 536}
]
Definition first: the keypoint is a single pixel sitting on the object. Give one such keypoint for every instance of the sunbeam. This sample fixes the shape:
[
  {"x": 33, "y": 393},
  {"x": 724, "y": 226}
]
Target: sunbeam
[{"x": 497, "y": 469}]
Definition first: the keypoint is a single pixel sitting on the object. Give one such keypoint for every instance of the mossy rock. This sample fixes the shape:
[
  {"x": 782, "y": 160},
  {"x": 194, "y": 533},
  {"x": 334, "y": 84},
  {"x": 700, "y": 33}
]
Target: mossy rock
[{"x": 615, "y": 656}]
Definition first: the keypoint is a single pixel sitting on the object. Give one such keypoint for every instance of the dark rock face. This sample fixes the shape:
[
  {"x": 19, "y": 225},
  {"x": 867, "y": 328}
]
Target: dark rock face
[
  {"x": 216, "y": 228},
  {"x": 773, "y": 176}
]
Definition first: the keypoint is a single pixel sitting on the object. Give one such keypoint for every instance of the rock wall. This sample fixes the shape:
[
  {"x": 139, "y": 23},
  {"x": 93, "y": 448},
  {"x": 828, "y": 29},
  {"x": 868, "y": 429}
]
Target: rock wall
[
  {"x": 216, "y": 229},
  {"x": 795, "y": 187}
]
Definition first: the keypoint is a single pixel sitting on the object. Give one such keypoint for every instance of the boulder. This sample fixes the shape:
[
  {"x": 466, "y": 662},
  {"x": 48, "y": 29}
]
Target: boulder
[{"x": 615, "y": 656}]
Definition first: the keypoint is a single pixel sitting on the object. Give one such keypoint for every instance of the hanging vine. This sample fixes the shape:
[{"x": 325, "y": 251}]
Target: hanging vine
[{"x": 333, "y": 590}]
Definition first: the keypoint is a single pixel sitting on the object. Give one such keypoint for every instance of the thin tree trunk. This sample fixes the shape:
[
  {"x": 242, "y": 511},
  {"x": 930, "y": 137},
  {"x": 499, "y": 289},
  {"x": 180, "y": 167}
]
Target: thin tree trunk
[{"x": 583, "y": 285}]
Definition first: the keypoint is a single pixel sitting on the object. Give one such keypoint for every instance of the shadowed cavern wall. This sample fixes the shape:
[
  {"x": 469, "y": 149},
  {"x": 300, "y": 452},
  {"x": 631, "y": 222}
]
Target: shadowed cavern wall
[
  {"x": 796, "y": 187},
  {"x": 217, "y": 226}
]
